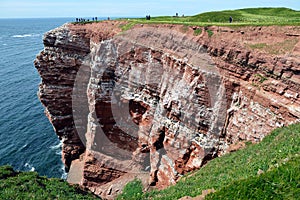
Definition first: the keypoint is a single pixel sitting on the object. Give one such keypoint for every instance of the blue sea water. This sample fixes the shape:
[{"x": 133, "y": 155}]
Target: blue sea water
[{"x": 27, "y": 139}]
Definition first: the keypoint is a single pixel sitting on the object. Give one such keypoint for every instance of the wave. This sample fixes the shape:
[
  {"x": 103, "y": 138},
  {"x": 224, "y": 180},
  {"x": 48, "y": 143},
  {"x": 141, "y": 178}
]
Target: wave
[
  {"x": 26, "y": 35},
  {"x": 58, "y": 151},
  {"x": 24, "y": 147},
  {"x": 64, "y": 174},
  {"x": 57, "y": 148},
  {"x": 31, "y": 168}
]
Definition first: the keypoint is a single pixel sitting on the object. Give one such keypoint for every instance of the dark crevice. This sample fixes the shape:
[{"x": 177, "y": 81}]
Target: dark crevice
[
  {"x": 209, "y": 156},
  {"x": 106, "y": 118},
  {"x": 136, "y": 111},
  {"x": 158, "y": 144}
]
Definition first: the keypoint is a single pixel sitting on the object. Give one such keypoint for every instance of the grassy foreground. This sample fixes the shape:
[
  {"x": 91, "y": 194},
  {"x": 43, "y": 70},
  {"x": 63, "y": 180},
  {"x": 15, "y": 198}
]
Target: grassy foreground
[
  {"x": 28, "y": 185},
  {"x": 268, "y": 170}
]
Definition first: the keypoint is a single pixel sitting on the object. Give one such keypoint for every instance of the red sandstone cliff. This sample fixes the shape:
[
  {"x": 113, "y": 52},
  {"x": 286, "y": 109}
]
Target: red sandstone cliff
[{"x": 157, "y": 101}]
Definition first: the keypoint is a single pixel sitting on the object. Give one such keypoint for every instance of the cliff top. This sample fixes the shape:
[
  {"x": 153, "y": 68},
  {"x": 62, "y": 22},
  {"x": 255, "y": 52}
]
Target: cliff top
[
  {"x": 271, "y": 40},
  {"x": 241, "y": 17},
  {"x": 272, "y": 31}
]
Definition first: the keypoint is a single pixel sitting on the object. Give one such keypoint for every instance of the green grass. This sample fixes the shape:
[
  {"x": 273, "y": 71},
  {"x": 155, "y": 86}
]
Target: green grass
[
  {"x": 277, "y": 16},
  {"x": 29, "y": 185},
  {"x": 210, "y": 33},
  {"x": 127, "y": 26},
  {"x": 261, "y": 78},
  {"x": 237, "y": 172},
  {"x": 133, "y": 190},
  {"x": 197, "y": 31},
  {"x": 279, "y": 183},
  {"x": 241, "y": 17}
]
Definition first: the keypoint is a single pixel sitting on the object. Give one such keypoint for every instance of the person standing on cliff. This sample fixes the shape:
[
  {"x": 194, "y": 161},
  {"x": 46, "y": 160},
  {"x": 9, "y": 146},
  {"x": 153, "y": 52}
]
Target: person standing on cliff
[{"x": 230, "y": 19}]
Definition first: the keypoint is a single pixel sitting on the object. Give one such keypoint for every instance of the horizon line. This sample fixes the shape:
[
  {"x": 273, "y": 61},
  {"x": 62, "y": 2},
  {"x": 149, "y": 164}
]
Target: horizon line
[
  {"x": 115, "y": 17},
  {"x": 124, "y": 16}
]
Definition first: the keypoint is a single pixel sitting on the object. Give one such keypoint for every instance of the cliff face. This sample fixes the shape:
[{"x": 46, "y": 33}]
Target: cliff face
[{"x": 157, "y": 101}]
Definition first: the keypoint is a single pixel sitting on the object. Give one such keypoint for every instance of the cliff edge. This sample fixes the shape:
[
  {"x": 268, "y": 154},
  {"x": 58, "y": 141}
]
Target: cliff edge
[{"x": 157, "y": 101}]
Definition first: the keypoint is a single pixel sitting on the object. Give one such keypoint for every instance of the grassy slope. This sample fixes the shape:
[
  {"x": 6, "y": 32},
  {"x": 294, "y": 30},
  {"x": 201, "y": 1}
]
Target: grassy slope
[
  {"x": 235, "y": 175},
  {"x": 280, "y": 183},
  {"x": 28, "y": 185},
  {"x": 249, "y": 16}
]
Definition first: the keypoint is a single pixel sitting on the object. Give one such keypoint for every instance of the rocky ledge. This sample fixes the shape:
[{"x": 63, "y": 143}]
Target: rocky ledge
[{"x": 158, "y": 101}]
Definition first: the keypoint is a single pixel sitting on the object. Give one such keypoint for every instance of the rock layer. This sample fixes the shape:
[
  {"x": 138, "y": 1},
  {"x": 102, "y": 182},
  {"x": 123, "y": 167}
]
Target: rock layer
[{"x": 155, "y": 102}]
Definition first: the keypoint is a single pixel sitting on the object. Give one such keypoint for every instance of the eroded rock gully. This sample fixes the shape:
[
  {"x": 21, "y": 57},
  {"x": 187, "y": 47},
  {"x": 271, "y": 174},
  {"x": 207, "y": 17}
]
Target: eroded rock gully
[{"x": 156, "y": 101}]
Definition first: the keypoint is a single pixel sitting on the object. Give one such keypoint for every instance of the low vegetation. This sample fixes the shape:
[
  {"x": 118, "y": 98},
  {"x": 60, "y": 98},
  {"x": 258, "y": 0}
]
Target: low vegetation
[
  {"x": 127, "y": 26},
  {"x": 282, "y": 182},
  {"x": 133, "y": 190},
  {"x": 241, "y": 17},
  {"x": 267, "y": 170},
  {"x": 197, "y": 31},
  {"x": 261, "y": 78},
  {"x": 259, "y": 16},
  {"x": 29, "y": 185},
  {"x": 210, "y": 33},
  {"x": 278, "y": 48}
]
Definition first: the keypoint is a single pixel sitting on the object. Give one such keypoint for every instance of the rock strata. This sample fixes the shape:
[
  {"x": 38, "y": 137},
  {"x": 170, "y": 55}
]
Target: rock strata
[{"x": 156, "y": 101}]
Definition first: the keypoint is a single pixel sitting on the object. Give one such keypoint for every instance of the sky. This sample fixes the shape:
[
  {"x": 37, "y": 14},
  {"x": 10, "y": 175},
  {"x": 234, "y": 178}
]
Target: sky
[{"x": 127, "y": 8}]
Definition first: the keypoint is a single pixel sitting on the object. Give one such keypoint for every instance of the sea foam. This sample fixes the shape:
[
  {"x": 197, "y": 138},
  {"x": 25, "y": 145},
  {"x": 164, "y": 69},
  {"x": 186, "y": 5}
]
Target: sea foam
[
  {"x": 26, "y": 35},
  {"x": 31, "y": 168}
]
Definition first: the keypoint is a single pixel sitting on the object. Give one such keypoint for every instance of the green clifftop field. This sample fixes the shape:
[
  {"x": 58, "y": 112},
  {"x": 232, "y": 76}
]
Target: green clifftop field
[
  {"x": 268, "y": 170},
  {"x": 241, "y": 17}
]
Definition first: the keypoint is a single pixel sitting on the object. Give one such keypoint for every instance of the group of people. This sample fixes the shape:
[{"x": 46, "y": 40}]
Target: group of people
[
  {"x": 177, "y": 15},
  {"x": 148, "y": 17},
  {"x": 86, "y": 20}
]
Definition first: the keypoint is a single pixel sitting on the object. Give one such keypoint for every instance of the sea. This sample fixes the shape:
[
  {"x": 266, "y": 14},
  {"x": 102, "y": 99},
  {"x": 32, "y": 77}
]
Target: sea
[{"x": 27, "y": 139}]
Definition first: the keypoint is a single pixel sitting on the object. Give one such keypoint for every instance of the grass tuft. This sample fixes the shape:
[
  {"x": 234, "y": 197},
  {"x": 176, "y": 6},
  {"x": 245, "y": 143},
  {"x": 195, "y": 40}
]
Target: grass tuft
[
  {"x": 197, "y": 31},
  {"x": 210, "y": 33},
  {"x": 261, "y": 78}
]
